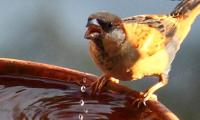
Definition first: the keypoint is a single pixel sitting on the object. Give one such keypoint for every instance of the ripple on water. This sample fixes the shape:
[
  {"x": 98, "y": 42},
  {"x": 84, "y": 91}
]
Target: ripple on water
[{"x": 34, "y": 99}]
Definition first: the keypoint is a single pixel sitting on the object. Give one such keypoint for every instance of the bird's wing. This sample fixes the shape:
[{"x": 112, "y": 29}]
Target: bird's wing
[{"x": 150, "y": 33}]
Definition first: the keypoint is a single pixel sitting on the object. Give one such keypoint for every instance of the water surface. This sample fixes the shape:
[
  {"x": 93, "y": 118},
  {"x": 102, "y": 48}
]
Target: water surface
[{"x": 25, "y": 98}]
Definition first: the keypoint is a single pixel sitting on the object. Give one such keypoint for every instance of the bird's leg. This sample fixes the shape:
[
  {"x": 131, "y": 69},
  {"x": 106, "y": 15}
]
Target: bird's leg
[
  {"x": 162, "y": 82},
  {"x": 149, "y": 92},
  {"x": 98, "y": 85}
]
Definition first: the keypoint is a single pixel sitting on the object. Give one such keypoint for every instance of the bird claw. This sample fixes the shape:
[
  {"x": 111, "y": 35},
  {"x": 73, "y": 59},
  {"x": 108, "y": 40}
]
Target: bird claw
[
  {"x": 98, "y": 85},
  {"x": 139, "y": 102},
  {"x": 95, "y": 88},
  {"x": 143, "y": 99}
]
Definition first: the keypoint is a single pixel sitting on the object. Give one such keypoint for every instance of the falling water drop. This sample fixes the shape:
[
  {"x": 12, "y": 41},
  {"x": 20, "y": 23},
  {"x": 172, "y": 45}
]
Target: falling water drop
[
  {"x": 80, "y": 117},
  {"x": 82, "y": 102},
  {"x": 83, "y": 88},
  {"x": 84, "y": 80},
  {"x": 85, "y": 110}
]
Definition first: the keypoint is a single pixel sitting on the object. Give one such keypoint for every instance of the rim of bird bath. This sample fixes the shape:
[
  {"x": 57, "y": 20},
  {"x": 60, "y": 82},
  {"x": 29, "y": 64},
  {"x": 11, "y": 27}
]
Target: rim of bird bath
[{"x": 14, "y": 67}]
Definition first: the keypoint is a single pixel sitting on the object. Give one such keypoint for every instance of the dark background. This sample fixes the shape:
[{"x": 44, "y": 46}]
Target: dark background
[{"x": 52, "y": 32}]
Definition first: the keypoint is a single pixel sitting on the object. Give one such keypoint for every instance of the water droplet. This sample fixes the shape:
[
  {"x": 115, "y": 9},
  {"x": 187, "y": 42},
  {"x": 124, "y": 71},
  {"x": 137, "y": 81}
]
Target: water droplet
[
  {"x": 86, "y": 110},
  {"x": 82, "y": 102},
  {"x": 83, "y": 88},
  {"x": 84, "y": 80},
  {"x": 80, "y": 116}
]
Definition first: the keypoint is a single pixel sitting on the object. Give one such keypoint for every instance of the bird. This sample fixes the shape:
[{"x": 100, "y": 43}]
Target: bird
[{"x": 139, "y": 46}]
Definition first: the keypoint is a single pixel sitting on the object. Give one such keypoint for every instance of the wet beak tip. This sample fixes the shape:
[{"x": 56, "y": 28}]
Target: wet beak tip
[{"x": 87, "y": 36}]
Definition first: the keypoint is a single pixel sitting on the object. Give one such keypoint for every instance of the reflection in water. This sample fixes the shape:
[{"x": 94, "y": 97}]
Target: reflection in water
[{"x": 39, "y": 99}]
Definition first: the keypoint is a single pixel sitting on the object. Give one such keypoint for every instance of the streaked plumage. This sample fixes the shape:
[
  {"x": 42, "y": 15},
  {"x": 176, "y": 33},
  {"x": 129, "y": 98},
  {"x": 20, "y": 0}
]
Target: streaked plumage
[{"x": 139, "y": 46}]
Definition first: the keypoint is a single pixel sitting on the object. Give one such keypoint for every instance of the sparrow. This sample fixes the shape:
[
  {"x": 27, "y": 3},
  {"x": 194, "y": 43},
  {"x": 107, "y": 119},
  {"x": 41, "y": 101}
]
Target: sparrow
[{"x": 139, "y": 46}]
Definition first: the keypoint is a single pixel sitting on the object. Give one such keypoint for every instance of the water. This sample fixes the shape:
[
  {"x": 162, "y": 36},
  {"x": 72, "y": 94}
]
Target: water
[
  {"x": 39, "y": 99},
  {"x": 83, "y": 89},
  {"x": 82, "y": 103},
  {"x": 80, "y": 117}
]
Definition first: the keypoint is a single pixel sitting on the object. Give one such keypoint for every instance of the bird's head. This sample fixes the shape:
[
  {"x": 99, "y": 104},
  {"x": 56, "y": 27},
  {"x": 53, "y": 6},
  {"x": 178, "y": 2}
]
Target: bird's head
[{"x": 104, "y": 28}]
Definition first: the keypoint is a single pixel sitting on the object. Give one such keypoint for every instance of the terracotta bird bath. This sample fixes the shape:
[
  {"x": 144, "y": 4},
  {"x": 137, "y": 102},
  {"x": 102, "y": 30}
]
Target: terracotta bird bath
[{"x": 36, "y": 91}]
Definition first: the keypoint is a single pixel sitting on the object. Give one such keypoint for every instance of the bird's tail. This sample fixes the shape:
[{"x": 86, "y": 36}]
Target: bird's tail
[
  {"x": 187, "y": 9},
  {"x": 185, "y": 12}
]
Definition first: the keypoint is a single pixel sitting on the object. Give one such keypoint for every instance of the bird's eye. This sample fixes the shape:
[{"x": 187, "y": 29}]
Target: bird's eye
[
  {"x": 106, "y": 26},
  {"x": 110, "y": 25}
]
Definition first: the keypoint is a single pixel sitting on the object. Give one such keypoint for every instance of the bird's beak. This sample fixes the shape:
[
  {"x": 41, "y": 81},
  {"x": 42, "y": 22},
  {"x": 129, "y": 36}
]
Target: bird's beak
[{"x": 93, "y": 30}]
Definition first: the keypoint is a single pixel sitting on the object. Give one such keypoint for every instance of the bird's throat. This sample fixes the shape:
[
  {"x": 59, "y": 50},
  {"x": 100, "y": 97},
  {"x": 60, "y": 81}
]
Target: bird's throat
[{"x": 99, "y": 45}]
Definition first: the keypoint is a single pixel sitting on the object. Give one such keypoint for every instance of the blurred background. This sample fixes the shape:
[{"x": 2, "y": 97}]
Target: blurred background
[{"x": 53, "y": 32}]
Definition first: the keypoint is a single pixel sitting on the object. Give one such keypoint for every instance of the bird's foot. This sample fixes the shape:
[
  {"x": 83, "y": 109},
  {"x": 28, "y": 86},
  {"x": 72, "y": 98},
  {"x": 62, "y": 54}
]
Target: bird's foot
[
  {"x": 141, "y": 101},
  {"x": 98, "y": 85}
]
